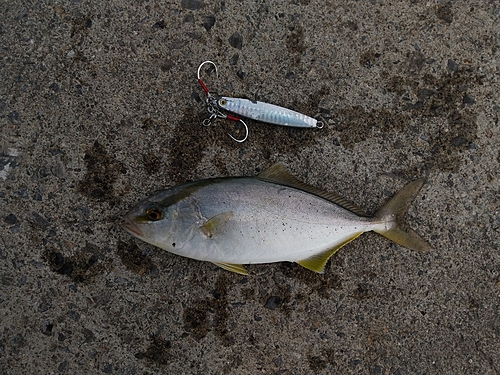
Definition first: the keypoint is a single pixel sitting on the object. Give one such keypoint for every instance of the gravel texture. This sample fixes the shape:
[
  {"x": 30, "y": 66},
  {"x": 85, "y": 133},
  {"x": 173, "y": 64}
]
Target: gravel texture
[{"x": 99, "y": 108}]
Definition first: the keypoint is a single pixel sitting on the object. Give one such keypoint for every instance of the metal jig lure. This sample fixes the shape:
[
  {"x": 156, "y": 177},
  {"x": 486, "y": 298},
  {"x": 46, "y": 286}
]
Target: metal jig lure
[{"x": 254, "y": 110}]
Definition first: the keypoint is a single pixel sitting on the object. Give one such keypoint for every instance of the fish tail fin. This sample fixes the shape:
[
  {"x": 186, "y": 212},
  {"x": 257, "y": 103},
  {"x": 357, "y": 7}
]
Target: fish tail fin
[{"x": 392, "y": 214}]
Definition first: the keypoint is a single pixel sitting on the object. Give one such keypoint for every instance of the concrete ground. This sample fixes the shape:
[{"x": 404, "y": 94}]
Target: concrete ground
[{"x": 99, "y": 108}]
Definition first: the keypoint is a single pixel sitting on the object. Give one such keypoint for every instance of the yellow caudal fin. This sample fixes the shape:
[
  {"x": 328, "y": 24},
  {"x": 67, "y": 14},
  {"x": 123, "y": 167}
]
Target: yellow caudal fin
[{"x": 392, "y": 214}]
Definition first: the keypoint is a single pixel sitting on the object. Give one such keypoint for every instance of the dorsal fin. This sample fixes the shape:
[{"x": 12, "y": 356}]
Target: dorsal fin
[{"x": 278, "y": 175}]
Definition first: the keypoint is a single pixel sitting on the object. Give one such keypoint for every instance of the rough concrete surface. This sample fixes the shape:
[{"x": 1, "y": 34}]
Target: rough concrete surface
[{"x": 99, "y": 108}]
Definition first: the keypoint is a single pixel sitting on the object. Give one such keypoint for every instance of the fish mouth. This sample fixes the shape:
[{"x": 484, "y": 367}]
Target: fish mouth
[{"x": 131, "y": 227}]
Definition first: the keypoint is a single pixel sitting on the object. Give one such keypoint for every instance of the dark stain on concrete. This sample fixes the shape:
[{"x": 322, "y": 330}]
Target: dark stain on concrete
[
  {"x": 188, "y": 142},
  {"x": 311, "y": 106},
  {"x": 83, "y": 267},
  {"x": 320, "y": 284},
  {"x": 158, "y": 352},
  {"x": 152, "y": 162},
  {"x": 435, "y": 95},
  {"x": 447, "y": 145},
  {"x": 356, "y": 123},
  {"x": 220, "y": 306},
  {"x": 295, "y": 45},
  {"x": 102, "y": 171},
  {"x": 426, "y": 98},
  {"x": 133, "y": 258},
  {"x": 443, "y": 97},
  {"x": 362, "y": 292},
  {"x": 80, "y": 25},
  {"x": 196, "y": 320},
  {"x": 321, "y": 360},
  {"x": 444, "y": 13},
  {"x": 295, "y": 41},
  {"x": 210, "y": 314},
  {"x": 369, "y": 58},
  {"x": 316, "y": 363}
]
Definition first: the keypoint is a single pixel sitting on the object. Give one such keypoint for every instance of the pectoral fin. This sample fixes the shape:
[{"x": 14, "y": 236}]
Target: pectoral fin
[
  {"x": 215, "y": 224},
  {"x": 317, "y": 262},
  {"x": 238, "y": 268}
]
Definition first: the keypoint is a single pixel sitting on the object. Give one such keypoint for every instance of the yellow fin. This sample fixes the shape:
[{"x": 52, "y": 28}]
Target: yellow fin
[
  {"x": 238, "y": 268},
  {"x": 215, "y": 223},
  {"x": 317, "y": 262},
  {"x": 278, "y": 175},
  {"x": 393, "y": 212}
]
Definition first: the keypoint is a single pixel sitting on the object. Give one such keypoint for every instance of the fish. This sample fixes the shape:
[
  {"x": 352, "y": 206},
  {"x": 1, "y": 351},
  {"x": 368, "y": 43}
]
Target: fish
[{"x": 271, "y": 217}]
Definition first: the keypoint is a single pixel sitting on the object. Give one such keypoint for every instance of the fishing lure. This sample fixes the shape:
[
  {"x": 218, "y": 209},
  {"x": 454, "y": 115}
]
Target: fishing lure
[
  {"x": 266, "y": 112},
  {"x": 259, "y": 111}
]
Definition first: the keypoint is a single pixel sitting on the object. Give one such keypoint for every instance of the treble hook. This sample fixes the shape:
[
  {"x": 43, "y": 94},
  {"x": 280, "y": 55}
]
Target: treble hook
[{"x": 213, "y": 108}]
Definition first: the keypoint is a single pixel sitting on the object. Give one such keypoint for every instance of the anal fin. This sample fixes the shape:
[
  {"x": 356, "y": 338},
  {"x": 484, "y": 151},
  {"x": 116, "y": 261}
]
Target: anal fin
[
  {"x": 238, "y": 268},
  {"x": 317, "y": 262}
]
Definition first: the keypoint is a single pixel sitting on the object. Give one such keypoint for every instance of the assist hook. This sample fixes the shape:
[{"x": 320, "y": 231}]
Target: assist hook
[
  {"x": 199, "y": 79},
  {"x": 213, "y": 108},
  {"x": 246, "y": 131}
]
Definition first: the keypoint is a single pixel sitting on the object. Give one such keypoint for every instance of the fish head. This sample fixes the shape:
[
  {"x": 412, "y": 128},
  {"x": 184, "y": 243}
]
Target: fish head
[{"x": 149, "y": 221}]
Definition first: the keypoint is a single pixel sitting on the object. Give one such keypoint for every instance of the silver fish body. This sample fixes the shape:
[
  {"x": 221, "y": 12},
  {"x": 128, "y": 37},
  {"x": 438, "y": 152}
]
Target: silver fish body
[
  {"x": 266, "y": 112},
  {"x": 264, "y": 219}
]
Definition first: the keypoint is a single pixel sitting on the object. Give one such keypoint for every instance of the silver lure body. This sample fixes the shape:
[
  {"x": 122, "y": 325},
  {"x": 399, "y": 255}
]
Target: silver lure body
[{"x": 268, "y": 113}]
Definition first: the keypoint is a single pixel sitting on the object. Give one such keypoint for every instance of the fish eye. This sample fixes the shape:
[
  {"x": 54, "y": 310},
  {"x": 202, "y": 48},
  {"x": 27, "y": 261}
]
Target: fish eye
[
  {"x": 222, "y": 102},
  {"x": 154, "y": 214}
]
